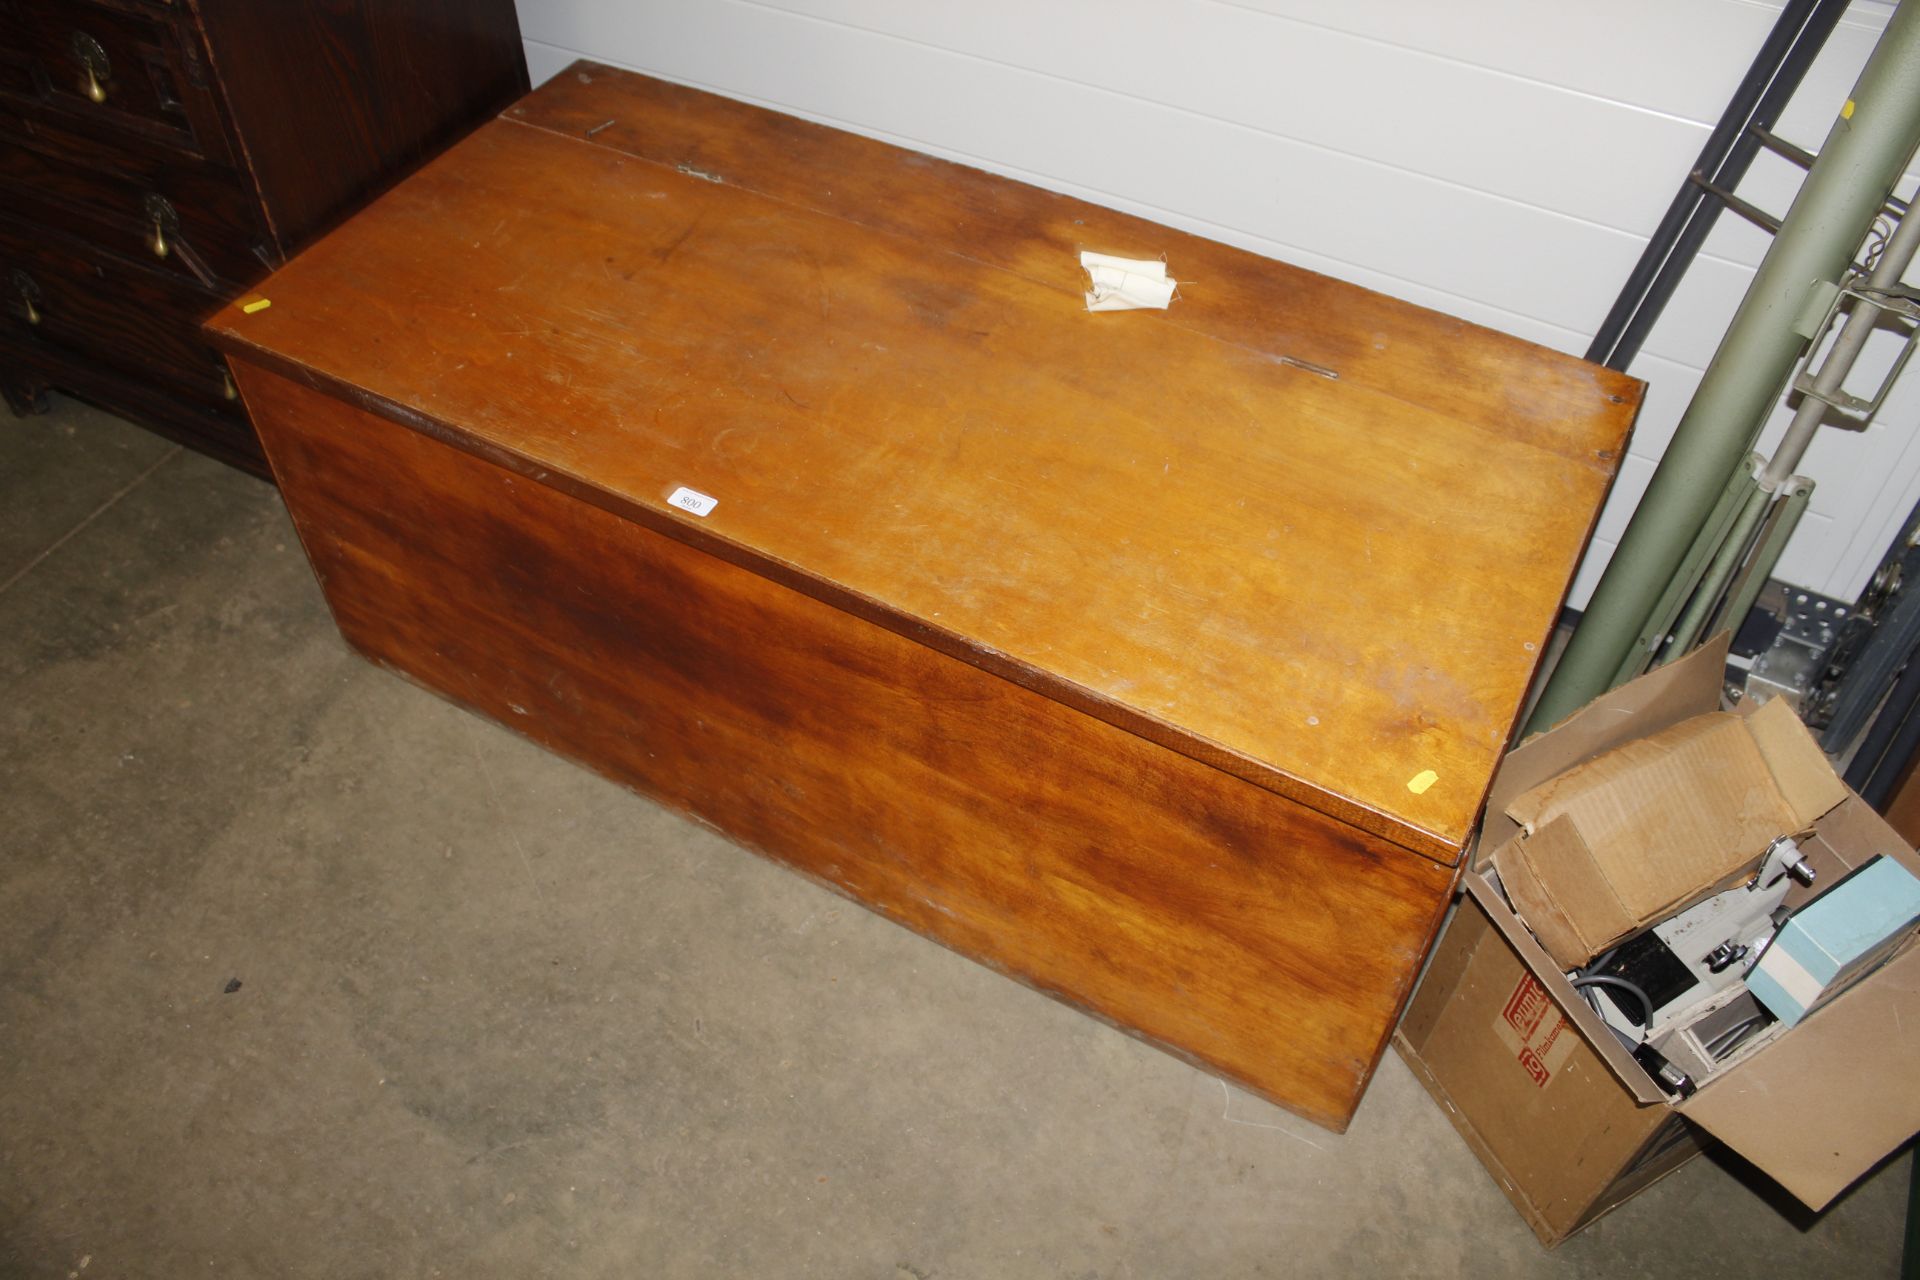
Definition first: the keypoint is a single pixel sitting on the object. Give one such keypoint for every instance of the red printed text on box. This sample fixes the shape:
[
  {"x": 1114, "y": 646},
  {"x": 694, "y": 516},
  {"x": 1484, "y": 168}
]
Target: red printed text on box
[{"x": 1532, "y": 1026}]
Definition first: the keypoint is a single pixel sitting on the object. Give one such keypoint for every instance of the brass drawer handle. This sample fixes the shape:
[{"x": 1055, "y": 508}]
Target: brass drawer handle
[
  {"x": 93, "y": 65},
  {"x": 226, "y": 384},
  {"x": 19, "y": 282},
  {"x": 166, "y": 222}
]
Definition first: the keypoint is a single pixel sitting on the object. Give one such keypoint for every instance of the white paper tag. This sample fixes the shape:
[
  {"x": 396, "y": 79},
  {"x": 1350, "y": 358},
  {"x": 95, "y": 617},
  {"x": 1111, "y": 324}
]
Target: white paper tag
[
  {"x": 1127, "y": 284},
  {"x": 690, "y": 500}
]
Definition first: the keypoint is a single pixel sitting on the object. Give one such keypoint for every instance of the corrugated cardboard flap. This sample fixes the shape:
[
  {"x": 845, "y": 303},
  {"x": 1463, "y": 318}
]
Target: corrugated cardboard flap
[
  {"x": 1856, "y": 833},
  {"x": 1663, "y": 819},
  {"x": 1800, "y": 770},
  {"x": 1675, "y": 692},
  {"x": 1559, "y": 891},
  {"x": 1819, "y": 1106},
  {"x": 1664, "y": 816}
]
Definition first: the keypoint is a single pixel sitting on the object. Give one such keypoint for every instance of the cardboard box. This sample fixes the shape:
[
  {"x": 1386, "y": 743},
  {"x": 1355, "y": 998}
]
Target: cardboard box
[
  {"x": 1631, "y": 836},
  {"x": 1561, "y": 1114}
]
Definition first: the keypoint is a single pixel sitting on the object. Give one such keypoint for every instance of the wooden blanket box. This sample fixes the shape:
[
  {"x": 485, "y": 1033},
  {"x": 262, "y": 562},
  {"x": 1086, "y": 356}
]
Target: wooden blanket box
[{"x": 1157, "y": 659}]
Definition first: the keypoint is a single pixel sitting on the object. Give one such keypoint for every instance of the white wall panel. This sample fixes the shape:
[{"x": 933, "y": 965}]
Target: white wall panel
[
  {"x": 1501, "y": 160},
  {"x": 1598, "y": 553},
  {"x": 545, "y": 61},
  {"x": 1635, "y": 473},
  {"x": 1690, "y": 329},
  {"x": 1318, "y": 97},
  {"x": 1682, "y": 57}
]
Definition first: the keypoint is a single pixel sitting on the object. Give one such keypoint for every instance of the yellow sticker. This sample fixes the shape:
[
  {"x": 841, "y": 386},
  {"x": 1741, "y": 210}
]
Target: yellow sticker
[
  {"x": 258, "y": 304},
  {"x": 1846, "y": 112},
  {"x": 1420, "y": 781}
]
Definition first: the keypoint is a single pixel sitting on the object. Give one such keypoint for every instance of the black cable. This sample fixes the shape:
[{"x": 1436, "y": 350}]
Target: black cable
[
  {"x": 1620, "y": 984},
  {"x": 1627, "y": 1042}
]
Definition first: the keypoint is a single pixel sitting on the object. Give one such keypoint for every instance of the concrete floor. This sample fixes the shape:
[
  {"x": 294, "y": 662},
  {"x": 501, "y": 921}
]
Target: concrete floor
[{"x": 498, "y": 1017}]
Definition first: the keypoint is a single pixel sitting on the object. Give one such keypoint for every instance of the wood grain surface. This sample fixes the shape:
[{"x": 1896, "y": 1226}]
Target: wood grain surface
[
  {"x": 880, "y": 366},
  {"x": 256, "y": 124},
  {"x": 1411, "y": 353},
  {"x": 332, "y": 102},
  {"x": 1266, "y": 941},
  {"x": 116, "y": 312}
]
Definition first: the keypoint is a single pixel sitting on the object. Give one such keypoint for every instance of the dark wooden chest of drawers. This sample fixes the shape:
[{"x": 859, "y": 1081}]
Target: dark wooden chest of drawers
[
  {"x": 156, "y": 156},
  {"x": 1160, "y": 659}
]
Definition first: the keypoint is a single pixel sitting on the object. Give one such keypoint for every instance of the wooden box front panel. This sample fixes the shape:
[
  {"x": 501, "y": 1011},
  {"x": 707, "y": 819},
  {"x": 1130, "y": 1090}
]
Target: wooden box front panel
[{"x": 1267, "y": 941}]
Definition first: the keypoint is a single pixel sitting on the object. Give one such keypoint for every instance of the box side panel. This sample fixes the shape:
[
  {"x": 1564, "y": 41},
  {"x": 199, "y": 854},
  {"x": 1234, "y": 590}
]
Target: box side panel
[
  {"x": 1267, "y": 941},
  {"x": 1549, "y": 1232},
  {"x": 1903, "y": 811},
  {"x": 1539, "y": 1107},
  {"x": 1547, "y": 971},
  {"x": 1452, "y": 953},
  {"x": 1665, "y": 1152},
  {"x": 1669, "y": 1148}
]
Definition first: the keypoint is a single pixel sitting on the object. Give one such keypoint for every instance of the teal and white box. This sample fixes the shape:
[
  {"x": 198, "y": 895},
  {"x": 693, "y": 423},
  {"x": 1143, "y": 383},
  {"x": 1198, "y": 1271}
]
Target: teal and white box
[{"x": 1833, "y": 937}]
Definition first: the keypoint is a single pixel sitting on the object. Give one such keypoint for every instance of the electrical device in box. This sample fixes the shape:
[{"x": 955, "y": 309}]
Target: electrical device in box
[
  {"x": 1834, "y": 937},
  {"x": 1653, "y": 982}
]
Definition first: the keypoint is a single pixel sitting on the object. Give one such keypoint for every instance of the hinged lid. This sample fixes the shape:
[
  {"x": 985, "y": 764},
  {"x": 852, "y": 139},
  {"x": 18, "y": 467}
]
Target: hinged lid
[{"x": 1310, "y": 535}]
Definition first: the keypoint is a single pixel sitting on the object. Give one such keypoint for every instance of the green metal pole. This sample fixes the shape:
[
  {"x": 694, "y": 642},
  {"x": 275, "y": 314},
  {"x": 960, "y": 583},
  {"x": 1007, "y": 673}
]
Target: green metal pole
[
  {"x": 1687, "y": 577},
  {"x": 1855, "y": 329},
  {"x": 1864, "y": 155},
  {"x": 1781, "y": 523},
  {"x": 1719, "y": 572}
]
